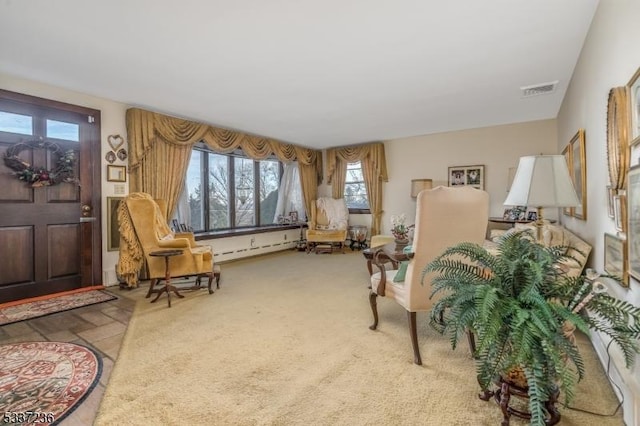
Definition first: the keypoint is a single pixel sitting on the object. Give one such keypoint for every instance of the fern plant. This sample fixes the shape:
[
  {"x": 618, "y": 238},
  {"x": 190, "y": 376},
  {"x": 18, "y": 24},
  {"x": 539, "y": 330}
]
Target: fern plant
[{"x": 517, "y": 302}]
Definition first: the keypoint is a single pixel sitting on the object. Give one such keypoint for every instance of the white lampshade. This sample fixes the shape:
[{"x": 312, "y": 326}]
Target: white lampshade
[
  {"x": 542, "y": 181},
  {"x": 418, "y": 185}
]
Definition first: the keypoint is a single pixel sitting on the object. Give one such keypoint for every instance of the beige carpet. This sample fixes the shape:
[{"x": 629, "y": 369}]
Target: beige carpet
[{"x": 285, "y": 341}]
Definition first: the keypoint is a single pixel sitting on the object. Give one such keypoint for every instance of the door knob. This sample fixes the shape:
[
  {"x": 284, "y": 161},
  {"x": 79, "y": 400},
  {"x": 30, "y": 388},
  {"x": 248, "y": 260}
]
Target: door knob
[{"x": 86, "y": 210}]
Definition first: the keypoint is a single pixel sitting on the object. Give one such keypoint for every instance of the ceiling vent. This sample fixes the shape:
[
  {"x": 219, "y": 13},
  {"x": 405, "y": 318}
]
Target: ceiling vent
[{"x": 539, "y": 89}]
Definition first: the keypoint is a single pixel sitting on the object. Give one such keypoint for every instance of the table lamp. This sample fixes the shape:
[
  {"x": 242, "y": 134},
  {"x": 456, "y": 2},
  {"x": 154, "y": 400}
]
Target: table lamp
[
  {"x": 542, "y": 181},
  {"x": 418, "y": 185}
]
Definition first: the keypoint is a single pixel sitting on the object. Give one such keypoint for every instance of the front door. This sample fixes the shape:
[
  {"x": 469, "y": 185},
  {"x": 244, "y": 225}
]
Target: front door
[{"x": 50, "y": 238}]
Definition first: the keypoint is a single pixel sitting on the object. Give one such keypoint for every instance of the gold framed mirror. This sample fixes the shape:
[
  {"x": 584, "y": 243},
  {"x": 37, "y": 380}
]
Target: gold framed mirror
[{"x": 617, "y": 137}]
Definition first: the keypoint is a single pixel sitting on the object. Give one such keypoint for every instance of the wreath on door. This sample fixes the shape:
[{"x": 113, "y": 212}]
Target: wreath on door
[{"x": 40, "y": 176}]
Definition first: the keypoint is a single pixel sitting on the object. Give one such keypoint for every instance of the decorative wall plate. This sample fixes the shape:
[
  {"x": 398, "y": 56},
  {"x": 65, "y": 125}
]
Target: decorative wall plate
[
  {"x": 115, "y": 142},
  {"x": 110, "y": 157},
  {"x": 617, "y": 137},
  {"x": 122, "y": 154}
]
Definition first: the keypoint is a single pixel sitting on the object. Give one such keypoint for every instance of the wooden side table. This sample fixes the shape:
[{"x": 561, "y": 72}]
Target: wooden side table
[
  {"x": 506, "y": 390},
  {"x": 167, "y": 288}
]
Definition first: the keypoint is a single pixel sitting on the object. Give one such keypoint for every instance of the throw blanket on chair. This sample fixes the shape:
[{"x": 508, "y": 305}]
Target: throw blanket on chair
[
  {"x": 336, "y": 211},
  {"x": 131, "y": 258}
]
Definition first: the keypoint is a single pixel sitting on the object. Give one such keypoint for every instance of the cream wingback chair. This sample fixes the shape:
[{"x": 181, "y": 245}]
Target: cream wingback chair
[
  {"x": 328, "y": 224},
  {"x": 444, "y": 217}
]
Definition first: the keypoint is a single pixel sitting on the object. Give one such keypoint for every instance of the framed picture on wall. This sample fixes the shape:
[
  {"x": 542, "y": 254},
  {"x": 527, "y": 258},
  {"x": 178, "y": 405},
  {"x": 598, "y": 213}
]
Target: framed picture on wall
[
  {"x": 615, "y": 257},
  {"x": 113, "y": 228},
  {"x": 568, "y": 211},
  {"x": 633, "y": 221},
  {"x": 579, "y": 172},
  {"x": 610, "y": 194},
  {"x": 116, "y": 173},
  {"x": 467, "y": 176},
  {"x": 619, "y": 212},
  {"x": 634, "y": 96}
]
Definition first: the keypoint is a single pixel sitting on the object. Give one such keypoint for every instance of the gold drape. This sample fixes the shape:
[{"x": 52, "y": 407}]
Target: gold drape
[
  {"x": 374, "y": 170},
  {"x": 160, "y": 149}
]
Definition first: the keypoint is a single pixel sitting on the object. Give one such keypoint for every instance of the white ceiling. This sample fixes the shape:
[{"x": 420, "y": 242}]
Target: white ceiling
[{"x": 316, "y": 73}]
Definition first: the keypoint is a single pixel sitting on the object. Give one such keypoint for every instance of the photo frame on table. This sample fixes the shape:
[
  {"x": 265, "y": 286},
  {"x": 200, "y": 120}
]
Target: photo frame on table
[
  {"x": 579, "y": 173},
  {"x": 568, "y": 211},
  {"x": 294, "y": 216},
  {"x": 116, "y": 173},
  {"x": 515, "y": 214},
  {"x": 633, "y": 92},
  {"x": 615, "y": 257},
  {"x": 113, "y": 227},
  {"x": 633, "y": 221},
  {"x": 467, "y": 176}
]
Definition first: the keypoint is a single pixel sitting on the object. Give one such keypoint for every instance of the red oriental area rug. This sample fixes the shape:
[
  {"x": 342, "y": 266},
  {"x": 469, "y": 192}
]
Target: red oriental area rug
[
  {"x": 43, "y": 382},
  {"x": 38, "y": 307}
]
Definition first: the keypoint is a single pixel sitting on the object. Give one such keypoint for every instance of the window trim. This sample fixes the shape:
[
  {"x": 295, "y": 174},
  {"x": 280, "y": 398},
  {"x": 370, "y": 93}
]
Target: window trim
[
  {"x": 209, "y": 232},
  {"x": 357, "y": 210}
]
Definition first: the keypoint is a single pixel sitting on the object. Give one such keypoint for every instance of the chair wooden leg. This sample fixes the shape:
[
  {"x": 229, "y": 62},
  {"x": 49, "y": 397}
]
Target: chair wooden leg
[
  {"x": 210, "y": 276},
  {"x": 413, "y": 330},
  {"x": 151, "y": 285},
  {"x": 374, "y": 308},
  {"x": 217, "y": 275}
]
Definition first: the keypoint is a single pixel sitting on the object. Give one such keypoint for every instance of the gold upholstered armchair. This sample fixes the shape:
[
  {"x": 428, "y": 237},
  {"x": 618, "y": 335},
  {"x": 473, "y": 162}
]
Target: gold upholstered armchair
[
  {"x": 444, "y": 217},
  {"x": 328, "y": 224},
  {"x": 145, "y": 231}
]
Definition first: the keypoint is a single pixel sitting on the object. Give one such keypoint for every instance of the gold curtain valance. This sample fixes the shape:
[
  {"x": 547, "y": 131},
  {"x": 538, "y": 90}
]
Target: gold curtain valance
[
  {"x": 351, "y": 154},
  {"x": 145, "y": 128},
  {"x": 158, "y": 143},
  {"x": 374, "y": 171}
]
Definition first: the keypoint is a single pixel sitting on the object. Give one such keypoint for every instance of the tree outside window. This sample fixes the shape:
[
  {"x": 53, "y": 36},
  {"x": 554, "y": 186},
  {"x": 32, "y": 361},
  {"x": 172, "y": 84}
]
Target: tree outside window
[
  {"x": 355, "y": 190},
  {"x": 240, "y": 192}
]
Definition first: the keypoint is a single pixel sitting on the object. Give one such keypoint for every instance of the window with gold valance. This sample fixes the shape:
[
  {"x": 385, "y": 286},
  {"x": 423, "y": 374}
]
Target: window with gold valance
[
  {"x": 160, "y": 148},
  {"x": 374, "y": 169}
]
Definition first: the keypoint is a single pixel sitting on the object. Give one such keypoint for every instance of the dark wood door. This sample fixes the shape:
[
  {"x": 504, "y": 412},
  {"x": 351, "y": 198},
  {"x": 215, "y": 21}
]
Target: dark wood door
[{"x": 50, "y": 237}]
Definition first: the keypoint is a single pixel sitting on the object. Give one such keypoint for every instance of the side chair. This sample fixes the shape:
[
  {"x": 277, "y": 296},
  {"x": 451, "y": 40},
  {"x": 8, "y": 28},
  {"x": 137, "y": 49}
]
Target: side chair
[{"x": 444, "y": 217}]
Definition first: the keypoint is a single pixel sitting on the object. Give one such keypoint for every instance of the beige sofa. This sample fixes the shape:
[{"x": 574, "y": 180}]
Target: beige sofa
[{"x": 553, "y": 235}]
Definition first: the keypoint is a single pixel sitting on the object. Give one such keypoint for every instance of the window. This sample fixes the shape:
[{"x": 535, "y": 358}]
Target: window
[
  {"x": 241, "y": 192},
  {"x": 355, "y": 191},
  {"x": 16, "y": 123}
]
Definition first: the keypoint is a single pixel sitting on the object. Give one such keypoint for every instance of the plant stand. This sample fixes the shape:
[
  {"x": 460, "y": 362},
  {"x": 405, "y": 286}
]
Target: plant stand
[{"x": 505, "y": 390}]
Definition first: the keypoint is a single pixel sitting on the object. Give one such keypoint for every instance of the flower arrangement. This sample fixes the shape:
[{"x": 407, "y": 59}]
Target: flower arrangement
[{"x": 399, "y": 229}]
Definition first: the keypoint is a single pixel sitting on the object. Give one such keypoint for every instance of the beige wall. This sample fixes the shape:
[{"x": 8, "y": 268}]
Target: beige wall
[
  {"x": 609, "y": 58},
  {"x": 497, "y": 148}
]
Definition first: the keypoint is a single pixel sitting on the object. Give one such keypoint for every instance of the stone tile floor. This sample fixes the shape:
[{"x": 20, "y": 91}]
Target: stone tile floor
[{"x": 101, "y": 327}]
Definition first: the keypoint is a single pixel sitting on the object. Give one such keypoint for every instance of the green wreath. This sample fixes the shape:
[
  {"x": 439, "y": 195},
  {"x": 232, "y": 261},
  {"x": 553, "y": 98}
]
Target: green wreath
[{"x": 39, "y": 176}]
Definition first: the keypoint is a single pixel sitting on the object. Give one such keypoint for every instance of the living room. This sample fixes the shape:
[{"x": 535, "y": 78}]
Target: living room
[{"x": 605, "y": 58}]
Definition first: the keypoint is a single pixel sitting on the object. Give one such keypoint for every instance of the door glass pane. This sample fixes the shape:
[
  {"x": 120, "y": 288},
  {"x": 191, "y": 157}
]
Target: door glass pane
[
  {"x": 244, "y": 187},
  {"x": 16, "y": 123},
  {"x": 218, "y": 191},
  {"x": 63, "y": 130},
  {"x": 269, "y": 183},
  {"x": 194, "y": 190}
]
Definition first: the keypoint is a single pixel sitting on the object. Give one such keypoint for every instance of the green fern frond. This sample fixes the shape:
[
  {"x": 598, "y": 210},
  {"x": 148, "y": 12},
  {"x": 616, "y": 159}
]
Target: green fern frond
[{"x": 516, "y": 303}]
